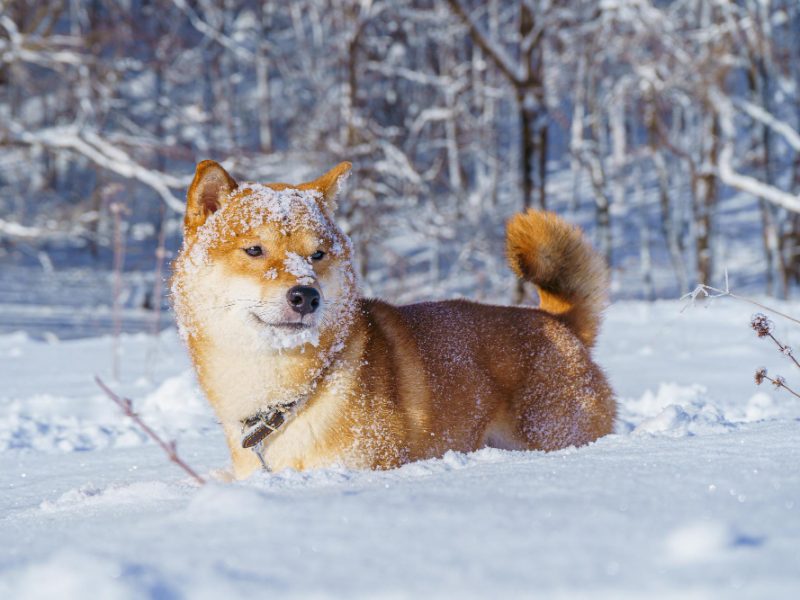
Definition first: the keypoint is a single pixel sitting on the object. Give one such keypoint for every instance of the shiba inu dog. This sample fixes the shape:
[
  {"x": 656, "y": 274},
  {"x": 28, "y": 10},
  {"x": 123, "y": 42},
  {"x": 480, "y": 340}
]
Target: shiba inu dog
[{"x": 303, "y": 372}]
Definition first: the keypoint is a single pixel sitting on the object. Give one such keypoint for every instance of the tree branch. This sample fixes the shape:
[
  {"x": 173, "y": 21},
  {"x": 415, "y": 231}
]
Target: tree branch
[
  {"x": 757, "y": 113},
  {"x": 725, "y": 170},
  {"x": 104, "y": 154},
  {"x": 494, "y": 52}
]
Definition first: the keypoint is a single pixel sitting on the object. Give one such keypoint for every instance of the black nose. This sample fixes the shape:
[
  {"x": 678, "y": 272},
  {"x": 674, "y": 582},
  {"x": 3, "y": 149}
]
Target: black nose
[{"x": 303, "y": 299}]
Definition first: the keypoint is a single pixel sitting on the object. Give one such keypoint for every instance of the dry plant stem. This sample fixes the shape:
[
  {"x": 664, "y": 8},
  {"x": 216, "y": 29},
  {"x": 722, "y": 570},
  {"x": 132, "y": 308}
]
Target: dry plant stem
[
  {"x": 780, "y": 383},
  {"x": 784, "y": 349},
  {"x": 157, "y": 290},
  {"x": 119, "y": 261},
  {"x": 720, "y": 293},
  {"x": 169, "y": 447}
]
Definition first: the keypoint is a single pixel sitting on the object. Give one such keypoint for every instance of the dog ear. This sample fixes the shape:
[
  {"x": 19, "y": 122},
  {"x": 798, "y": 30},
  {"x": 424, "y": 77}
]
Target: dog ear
[
  {"x": 330, "y": 184},
  {"x": 209, "y": 188}
]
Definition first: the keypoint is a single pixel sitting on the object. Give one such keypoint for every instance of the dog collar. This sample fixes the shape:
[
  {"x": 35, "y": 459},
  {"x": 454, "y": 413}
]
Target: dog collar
[
  {"x": 257, "y": 428},
  {"x": 261, "y": 425}
]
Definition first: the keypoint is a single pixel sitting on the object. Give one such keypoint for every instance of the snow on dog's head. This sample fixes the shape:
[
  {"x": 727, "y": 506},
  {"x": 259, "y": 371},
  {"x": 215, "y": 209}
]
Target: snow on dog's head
[{"x": 263, "y": 265}]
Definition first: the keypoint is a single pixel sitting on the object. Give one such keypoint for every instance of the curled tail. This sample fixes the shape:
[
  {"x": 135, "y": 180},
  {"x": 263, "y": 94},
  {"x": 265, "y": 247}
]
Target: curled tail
[{"x": 572, "y": 279}]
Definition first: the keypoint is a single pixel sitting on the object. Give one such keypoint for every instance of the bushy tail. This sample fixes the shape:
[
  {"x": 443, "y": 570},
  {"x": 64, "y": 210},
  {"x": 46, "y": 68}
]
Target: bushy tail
[{"x": 571, "y": 277}]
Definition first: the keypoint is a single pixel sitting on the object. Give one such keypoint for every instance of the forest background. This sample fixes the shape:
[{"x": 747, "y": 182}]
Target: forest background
[{"x": 668, "y": 130}]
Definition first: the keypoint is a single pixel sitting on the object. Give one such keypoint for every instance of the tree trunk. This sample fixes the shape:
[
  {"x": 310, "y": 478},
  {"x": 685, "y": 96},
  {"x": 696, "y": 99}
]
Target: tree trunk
[
  {"x": 261, "y": 65},
  {"x": 705, "y": 204},
  {"x": 527, "y": 150}
]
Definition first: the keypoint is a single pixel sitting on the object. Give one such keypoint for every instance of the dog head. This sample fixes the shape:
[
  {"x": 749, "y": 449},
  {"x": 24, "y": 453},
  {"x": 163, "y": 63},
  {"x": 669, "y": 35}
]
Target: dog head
[{"x": 263, "y": 265}]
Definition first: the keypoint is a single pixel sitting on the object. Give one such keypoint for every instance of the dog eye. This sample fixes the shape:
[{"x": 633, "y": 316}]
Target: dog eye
[
  {"x": 317, "y": 255},
  {"x": 254, "y": 251}
]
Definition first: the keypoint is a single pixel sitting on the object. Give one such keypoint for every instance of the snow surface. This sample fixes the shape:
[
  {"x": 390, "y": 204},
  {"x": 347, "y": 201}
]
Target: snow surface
[{"x": 697, "y": 495}]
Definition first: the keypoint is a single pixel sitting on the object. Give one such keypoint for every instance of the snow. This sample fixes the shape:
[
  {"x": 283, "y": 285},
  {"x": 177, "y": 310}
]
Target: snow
[
  {"x": 252, "y": 205},
  {"x": 697, "y": 494},
  {"x": 247, "y": 208},
  {"x": 300, "y": 267}
]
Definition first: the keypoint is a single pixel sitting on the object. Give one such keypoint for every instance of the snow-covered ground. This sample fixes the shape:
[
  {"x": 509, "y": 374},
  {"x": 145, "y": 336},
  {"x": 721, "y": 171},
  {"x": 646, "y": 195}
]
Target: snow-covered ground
[{"x": 697, "y": 495}]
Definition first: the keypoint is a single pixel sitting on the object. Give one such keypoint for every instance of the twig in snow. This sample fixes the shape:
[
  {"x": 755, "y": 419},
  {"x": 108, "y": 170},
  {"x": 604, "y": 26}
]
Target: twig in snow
[
  {"x": 169, "y": 447},
  {"x": 117, "y": 210},
  {"x": 712, "y": 293},
  {"x": 760, "y": 324}
]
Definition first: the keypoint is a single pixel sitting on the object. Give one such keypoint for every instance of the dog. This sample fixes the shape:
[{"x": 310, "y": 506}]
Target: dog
[{"x": 304, "y": 373}]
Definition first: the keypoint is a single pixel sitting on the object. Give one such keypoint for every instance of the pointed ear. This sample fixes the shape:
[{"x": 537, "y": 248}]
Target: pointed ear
[
  {"x": 210, "y": 186},
  {"x": 330, "y": 183}
]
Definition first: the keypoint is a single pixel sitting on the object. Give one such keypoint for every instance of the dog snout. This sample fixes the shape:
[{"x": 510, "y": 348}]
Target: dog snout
[{"x": 303, "y": 299}]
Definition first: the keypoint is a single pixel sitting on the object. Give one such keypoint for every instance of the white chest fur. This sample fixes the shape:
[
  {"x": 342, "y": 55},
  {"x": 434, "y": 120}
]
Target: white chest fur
[{"x": 317, "y": 435}]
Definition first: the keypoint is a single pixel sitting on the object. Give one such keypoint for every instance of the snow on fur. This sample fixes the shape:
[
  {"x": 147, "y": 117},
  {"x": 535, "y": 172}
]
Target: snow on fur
[
  {"x": 300, "y": 267},
  {"x": 275, "y": 339},
  {"x": 250, "y": 206}
]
